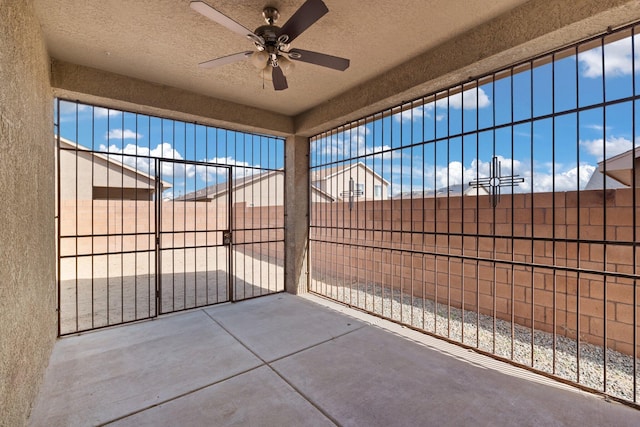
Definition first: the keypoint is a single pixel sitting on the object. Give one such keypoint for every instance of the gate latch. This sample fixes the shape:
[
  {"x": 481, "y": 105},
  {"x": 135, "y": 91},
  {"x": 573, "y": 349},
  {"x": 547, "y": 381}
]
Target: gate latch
[{"x": 226, "y": 237}]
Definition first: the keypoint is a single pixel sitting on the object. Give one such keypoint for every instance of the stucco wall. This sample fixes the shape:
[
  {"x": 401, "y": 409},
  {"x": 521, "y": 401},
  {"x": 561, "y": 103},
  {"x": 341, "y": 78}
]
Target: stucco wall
[{"x": 27, "y": 233}]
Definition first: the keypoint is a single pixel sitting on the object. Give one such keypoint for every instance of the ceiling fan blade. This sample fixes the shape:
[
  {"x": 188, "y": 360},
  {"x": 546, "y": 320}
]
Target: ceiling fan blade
[
  {"x": 279, "y": 80},
  {"x": 307, "y": 15},
  {"x": 209, "y": 12},
  {"x": 321, "y": 59},
  {"x": 229, "y": 59}
]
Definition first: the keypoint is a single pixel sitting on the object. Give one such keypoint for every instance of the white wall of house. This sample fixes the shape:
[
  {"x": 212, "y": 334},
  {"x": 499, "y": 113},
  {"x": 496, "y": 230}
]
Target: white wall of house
[
  {"x": 268, "y": 191},
  {"x": 80, "y": 173},
  {"x": 372, "y": 185}
]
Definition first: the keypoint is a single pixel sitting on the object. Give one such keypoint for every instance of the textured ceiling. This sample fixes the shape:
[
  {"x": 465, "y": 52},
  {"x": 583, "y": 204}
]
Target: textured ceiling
[{"x": 162, "y": 41}]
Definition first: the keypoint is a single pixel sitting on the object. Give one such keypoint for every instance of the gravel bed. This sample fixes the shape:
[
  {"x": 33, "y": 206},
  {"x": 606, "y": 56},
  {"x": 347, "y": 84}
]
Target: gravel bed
[{"x": 447, "y": 322}]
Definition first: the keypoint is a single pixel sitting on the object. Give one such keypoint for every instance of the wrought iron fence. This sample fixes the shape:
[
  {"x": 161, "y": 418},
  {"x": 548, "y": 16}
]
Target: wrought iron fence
[
  {"x": 157, "y": 216},
  {"x": 500, "y": 213}
]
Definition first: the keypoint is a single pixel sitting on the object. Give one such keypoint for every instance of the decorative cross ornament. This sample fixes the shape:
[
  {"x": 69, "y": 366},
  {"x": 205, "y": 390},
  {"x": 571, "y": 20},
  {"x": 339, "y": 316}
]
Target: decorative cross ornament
[
  {"x": 495, "y": 181},
  {"x": 352, "y": 193}
]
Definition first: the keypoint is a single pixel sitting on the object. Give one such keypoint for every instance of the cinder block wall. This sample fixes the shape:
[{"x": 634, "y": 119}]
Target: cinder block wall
[
  {"x": 189, "y": 221},
  {"x": 448, "y": 229},
  {"x": 27, "y": 234}
]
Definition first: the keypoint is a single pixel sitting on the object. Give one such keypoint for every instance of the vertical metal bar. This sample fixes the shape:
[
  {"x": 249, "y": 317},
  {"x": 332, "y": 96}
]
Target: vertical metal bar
[
  {"x": 634, "y": 220},
  {"x": 462, "y": 235},
  {"x": 448, "y": 215},
  {"x": 206, "y": 214},
  {"x": 423, "y": 235},
  {"x": 270, "y": 252},
  {"x": 261, "y": 223},
  {"x": 195, "y": 214},
  {"x": 402, "y": 204},
  {"x": 184, "y": 219},
  {"x": 493, "y": 221},
  {"x": 513, "y": 276},
  {"x": 217, "y": 213},
  {"x": 313, "y": 215},
  {"x": 477, "y": 218},
  {"x": 135, "y": 204},
  {"x": 411, "y": 231},
  {"x": 93, "y": 160},
  {"x": 351, "y": 202},
  {"x": 59, "y": 221},
  {"x": 532, "y": 195},
  {"x": 230, "y": 290},
  {"x": 435, "y": 213},
  {"x": 578, "y": 219},
  {"x": 122, "y": 222},
  {"x": 604, "y": 216},
  {"x": 108, "y": 220},
  {"x": 76, "y": 221},
  {"x": 553, "y": 210},
  {"x": 158, "y": 235},
  {"x": 173, "y": 224},
  {"x": 148, "y": 245}
]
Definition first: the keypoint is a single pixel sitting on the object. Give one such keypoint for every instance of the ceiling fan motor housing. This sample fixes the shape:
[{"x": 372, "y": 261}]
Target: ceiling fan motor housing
[{"x": 274, "y": 44}]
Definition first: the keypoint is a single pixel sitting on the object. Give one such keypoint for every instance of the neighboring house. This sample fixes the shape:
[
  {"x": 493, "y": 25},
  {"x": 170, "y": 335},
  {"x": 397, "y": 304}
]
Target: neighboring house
[
  {"x": 356, "y": 181},
  {"x": 452, "y": 191},
  {"x": 261, "y": 189},
  {"x": 464, "y": 189},
  {"x": 616, "y": 172},
  {"x": 85, "y": 175}
]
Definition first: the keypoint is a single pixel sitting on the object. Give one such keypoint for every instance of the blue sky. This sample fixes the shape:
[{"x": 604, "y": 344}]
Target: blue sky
[
  {"x": 551, "y": 154},
  {"x": 558, "y": 154},
  {"x": 134, "y": 139}
]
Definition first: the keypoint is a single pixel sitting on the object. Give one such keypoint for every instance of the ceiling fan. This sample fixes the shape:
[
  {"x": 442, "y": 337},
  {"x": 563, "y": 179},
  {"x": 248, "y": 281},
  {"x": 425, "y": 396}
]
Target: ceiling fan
[{"x": 273, "y": 44}]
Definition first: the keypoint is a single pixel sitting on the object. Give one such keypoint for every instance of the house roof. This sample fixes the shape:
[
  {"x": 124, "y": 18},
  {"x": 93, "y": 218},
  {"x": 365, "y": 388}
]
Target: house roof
[
  {"x": 217, "y": 189},
  {"x": 598, "y": 181},
  {"x": 111, "y": 160},
  {"x": 453, "y": 190},
  {"x": 620, "y": 167},
  {"x": 326, "y": 173},
  {"x": 220, "y": 188}
]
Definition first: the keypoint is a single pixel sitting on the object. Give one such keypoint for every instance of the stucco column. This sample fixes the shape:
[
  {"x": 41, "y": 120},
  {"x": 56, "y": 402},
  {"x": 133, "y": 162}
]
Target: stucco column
[{"x": 296, "y": 213}]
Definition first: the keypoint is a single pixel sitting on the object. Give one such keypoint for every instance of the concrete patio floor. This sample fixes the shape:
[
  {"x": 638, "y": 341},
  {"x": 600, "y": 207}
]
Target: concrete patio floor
[{"x": 284, "y": 360}]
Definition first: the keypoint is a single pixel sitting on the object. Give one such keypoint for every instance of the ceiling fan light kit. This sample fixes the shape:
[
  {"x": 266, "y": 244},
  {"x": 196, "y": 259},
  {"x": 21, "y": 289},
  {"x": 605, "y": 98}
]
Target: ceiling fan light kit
[{"x": 273, "y": 43}]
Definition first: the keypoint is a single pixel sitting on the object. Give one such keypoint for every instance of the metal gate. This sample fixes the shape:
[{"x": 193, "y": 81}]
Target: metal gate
[
  {"x": 125, "y": 253},
  {"x": 143, "y": 232}
]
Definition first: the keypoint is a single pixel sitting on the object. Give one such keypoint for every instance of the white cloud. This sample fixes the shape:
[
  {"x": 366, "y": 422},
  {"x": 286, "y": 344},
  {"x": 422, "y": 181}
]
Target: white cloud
[
  {"x": 469, "y": 100},
  {"x": 239, "y": 170},
  {"x": 411, "y": 114},
  {"x": 564, "y": 181},
  {"x": 617, "y": 62},
  {"x": 544, "y": 177},
  {"x": 597, "y": 127},
  {"x": 350, "y": 144},
  {"x": 128, "y": 153},
  {"x": 122, "y": 134},
  {"x": 138, "y": 157},
  {"x": 67, "y": 108},
  {"x": 100, "y": 112},
  {"x": 614, "y": 146}
]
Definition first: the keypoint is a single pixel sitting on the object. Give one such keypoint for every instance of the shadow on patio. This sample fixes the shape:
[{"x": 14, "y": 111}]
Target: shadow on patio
[{"x": 284, "y": 360}]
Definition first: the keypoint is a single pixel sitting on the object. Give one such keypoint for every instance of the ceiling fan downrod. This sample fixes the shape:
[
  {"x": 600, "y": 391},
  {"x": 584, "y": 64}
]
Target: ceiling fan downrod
[{"x": 270, "y": 15}]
